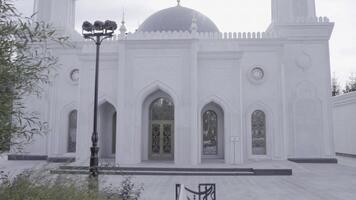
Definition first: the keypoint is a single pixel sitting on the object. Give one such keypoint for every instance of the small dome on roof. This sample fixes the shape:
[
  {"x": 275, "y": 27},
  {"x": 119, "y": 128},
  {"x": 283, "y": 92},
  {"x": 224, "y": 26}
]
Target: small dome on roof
[{"x": 177, "y": 18}]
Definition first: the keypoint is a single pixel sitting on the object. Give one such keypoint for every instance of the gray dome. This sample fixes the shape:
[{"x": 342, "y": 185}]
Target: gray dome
[{"x": 177, "y": 18}]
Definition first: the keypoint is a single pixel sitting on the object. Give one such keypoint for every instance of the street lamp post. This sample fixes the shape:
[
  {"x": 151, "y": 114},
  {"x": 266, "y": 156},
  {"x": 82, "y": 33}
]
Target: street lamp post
[{"x": 98, "y": 32}]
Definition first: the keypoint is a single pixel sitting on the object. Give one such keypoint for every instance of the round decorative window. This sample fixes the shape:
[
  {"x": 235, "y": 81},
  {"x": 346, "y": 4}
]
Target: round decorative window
[
  {"x": 74, "y": 75},
  {"x": 257, "y": 74}
]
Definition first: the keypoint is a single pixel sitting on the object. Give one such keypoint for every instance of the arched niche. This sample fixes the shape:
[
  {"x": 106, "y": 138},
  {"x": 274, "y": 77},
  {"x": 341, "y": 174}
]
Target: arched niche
[
  {"x": 307, "y": 121},
  {"x": 107, "y": 119},
  {"x": 212, "y": 132},
  {"x": 158, "y": 122},
  {"x": 260, "y": 132}
]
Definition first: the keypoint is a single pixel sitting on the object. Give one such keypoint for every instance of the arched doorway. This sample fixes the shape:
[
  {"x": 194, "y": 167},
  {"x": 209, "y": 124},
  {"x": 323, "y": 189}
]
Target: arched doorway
[
  {"x": 212, "y": 122},
  {"x": 161, "y": 129},
  {"x": 107, "y": 130}
]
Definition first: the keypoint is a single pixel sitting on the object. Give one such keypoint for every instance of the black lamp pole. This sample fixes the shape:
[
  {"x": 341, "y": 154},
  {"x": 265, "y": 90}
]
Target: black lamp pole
[{"x": 98, "y": 32}]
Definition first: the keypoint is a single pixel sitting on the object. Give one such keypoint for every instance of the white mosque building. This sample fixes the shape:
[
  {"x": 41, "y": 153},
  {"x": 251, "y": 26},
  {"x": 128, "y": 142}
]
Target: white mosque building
[{"x": 178, "y": 90}]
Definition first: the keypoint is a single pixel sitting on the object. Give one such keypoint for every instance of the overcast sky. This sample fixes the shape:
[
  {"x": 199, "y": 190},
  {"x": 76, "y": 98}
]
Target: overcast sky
[{"x": 230, "y": 16}]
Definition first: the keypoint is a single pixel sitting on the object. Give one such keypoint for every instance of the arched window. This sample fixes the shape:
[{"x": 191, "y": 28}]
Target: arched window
[
  {"x": 258, "y": 129},
  {"x": 72, "y": 131},
  {"x": 210, "y": 133},
  {"x": 161, "y": 125},
  {"x": 162, "y": 109}
]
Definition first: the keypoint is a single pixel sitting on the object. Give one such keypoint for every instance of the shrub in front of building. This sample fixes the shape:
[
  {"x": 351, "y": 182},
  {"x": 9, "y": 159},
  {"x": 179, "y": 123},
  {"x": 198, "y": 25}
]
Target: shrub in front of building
[{"x": 35, "y": 186}]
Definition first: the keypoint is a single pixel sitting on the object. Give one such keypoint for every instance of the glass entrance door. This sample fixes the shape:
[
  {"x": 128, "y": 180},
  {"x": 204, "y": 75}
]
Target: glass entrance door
[
  {"x": 161, "y": 130},
  {"x": 162, "y": 140}
]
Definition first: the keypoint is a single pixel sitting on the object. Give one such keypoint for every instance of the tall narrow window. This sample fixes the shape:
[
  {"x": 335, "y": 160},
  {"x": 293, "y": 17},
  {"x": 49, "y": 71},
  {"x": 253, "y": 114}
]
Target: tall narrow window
[
  {"x": 258, "y": 126},
  {"x": 210, "y": 133},
  {"x": 72, "y": 131},
  {"x": 113, "y": 147}
]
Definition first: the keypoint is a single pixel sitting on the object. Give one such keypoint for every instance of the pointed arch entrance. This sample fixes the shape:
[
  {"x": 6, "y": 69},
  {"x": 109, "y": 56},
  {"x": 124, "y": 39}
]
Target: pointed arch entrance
[
  {"x": 212, "y": 126},
  {"x": 158, "y": 118}
]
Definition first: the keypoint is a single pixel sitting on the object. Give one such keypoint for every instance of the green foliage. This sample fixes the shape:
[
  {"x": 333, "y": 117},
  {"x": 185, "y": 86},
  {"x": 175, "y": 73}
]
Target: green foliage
[
  {"x": 25, "y": 67},
  {"x": 335, "y": 86},
  {"x": 350, "y": 85},
  {"x": 128, "y": 190},
  {"x": 29, "y": 186}
]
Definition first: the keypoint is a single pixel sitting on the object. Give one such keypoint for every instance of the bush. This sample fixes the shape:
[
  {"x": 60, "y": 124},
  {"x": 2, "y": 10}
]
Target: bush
[{"x": 30, "y": 186}]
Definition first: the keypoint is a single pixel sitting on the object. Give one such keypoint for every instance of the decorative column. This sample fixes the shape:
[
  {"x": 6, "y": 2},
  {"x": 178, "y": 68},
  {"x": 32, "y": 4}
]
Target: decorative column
[{"x": 195, "y": 113}]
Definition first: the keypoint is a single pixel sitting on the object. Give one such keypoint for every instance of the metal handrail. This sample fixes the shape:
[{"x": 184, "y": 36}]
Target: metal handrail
[{"x": 205, "y": 192}]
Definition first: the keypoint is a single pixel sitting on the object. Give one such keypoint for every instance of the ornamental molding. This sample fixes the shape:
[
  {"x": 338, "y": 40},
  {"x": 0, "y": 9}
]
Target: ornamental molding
[
  {"x": 73, "y": 75},
  {"x": 256, "y": 74},
  {"x": 304, "y": 61}
]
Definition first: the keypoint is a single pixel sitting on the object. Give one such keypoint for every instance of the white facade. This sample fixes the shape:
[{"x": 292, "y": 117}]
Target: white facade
[
  {"x": 344, "y": 126},
  {"x": 283, "y": 74}
]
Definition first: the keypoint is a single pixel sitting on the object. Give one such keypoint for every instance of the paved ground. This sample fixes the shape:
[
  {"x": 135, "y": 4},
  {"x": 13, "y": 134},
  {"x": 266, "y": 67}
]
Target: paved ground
[{"x": 309, "y": 182}]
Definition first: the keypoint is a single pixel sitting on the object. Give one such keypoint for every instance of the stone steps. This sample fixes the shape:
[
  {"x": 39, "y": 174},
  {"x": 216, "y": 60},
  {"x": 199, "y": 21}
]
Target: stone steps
[{"x": 160, "y": 171}]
